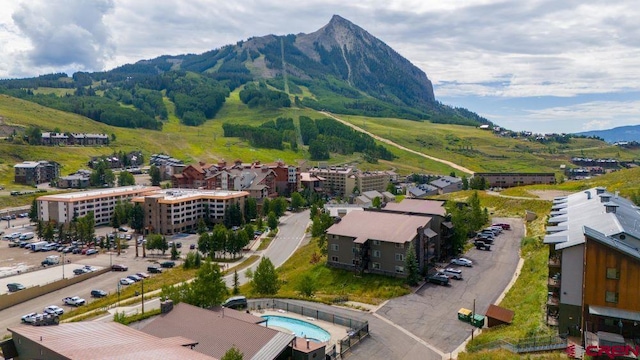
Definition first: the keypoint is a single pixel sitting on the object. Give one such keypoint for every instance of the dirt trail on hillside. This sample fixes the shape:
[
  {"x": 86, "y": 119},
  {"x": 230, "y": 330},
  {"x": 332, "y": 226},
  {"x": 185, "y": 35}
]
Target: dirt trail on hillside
[{"x": 389, "y": 142}]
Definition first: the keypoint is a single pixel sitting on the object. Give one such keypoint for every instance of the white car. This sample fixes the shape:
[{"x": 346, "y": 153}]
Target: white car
[
  {"x": 30, "y": 318},
  {"x": 462, "y": 262},
  {"x": 453, "y": 273},
  {"x": 74, "y": 301},
  {"x": 54, "y": 310},
  {"x": 126, "y": 281}
]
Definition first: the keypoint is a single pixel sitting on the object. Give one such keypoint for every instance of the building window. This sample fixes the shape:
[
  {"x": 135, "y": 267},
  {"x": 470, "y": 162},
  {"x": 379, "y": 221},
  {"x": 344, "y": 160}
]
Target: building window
[
  {"x": 335, "y": 247},
  {"x": 375, "y": 266},
  {"x": 376, "y": 253},
  {"x": 376, "y": 242},
  {"x": 612, "y": 273},
  {"x": 400, "y": 269},
  {"x": 399, "y": 257},
  {"x": 355, "y": 262},
  {"x": 399, "y": 246},
  {"x": 611, "y": 297},
  {"x": 334, "y": 258}
]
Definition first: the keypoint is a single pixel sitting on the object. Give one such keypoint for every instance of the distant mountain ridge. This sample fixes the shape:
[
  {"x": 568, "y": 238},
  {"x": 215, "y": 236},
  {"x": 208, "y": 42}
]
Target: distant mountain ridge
[
  {"x": 622, "y": 133},
  {"x": 339, "y": 68}
]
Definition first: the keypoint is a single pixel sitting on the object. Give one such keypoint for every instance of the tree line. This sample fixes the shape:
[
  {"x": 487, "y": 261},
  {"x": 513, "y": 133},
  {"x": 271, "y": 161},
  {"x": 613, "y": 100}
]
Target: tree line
[{"x": 260, "y": 96}]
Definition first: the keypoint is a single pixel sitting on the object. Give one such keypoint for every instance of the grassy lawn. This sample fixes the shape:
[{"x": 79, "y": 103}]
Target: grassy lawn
[{"x": 332, "y": 284}]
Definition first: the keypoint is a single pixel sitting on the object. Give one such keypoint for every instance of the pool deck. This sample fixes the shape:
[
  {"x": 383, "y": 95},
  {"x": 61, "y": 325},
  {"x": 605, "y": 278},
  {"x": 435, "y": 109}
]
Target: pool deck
[{"x": 337, "y": 332}]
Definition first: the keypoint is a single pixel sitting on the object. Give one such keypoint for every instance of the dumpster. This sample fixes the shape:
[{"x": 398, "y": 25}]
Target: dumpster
[
  {"x": 464, "y": 315},
  {"x": 477, "y": 320}
]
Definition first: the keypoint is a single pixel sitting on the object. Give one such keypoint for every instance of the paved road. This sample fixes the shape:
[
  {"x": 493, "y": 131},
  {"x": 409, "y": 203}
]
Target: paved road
[
  {"x": 291, "y": 233},
  {"x": 387, "y": 141}
]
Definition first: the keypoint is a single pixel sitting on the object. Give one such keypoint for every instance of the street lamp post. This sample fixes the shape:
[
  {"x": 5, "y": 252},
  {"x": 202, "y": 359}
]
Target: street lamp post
[{"x": 63, "y": 266}]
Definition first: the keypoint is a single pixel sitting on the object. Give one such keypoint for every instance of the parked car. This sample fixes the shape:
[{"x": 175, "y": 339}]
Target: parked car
[
  {"x": 192, "y": 246},
  {"x": 154, "y": 269},
  {"x": 98, "y": 293},
  {"x": 30, "y": 318},
  {"x": 122, "y": 228},
  {"x": 235, "y": 302},
  {"x": 74, "y": 301},
  {"x": 135, "y": 278},
  {"x": 143, "y": 275},
  {"x": 178, "y": 244},
  {"x": 438, "y": 278},
  {"x": 484, "y": 239},
  {"x": 13, "y": 287},
  {"x": 482, "y": 245},
  {"x": 76, "y": 250},
  {"x": 503, "y": 226},
  {"x": 168, "y": 264},
  {"x": 92, "y": 251},
  {"x": 119, "y": 267},
  {"x": 126, "y": 281},
  {"x": 462, "y": 262},
  {"x": 453, "y": 273},
  {"x": 90, "y": 268},
  {"x": 54, "y": 310},
  {"x": 80, "y": 271}
]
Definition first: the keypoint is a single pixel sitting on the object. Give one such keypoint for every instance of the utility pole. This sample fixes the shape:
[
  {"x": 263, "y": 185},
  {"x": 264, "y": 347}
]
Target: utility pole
[{"x": 142, "y": 296}]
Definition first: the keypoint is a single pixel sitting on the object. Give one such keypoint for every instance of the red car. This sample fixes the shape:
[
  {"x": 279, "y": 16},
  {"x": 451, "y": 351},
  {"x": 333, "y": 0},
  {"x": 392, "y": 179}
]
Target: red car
[
  {"x": 119, "y": 267},
  {"x": 503, "y": 226}
]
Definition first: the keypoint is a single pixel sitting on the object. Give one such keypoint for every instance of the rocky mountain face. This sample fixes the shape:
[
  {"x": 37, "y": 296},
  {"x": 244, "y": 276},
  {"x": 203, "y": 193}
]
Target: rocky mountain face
[{"x": 348, "y": 53}]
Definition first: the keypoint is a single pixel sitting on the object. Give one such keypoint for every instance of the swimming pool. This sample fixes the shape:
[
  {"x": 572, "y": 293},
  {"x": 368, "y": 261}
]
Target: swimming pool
[{"x": 298, "y": 327}]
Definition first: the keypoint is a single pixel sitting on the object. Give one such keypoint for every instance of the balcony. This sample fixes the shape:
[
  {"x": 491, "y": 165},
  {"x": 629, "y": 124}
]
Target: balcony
[
  {"x": 554, "y": 262},
  {"x": 553, "y": 283},
  {"x": 553, "y": 300}
]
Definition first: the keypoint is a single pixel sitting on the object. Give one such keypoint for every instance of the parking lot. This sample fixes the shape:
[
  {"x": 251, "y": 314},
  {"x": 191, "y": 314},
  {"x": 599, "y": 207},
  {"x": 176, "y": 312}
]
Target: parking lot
[{"x": 431, "y": 312}]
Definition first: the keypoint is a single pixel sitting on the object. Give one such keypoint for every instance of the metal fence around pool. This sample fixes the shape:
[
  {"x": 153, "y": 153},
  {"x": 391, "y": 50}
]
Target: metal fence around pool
[{"x": 358, "y": 329}]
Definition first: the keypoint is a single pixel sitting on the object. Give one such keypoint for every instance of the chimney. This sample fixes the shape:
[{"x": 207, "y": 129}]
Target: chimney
[
  {"x": 307, "y": 343},
  {"x": 616, "y": 194},
  {"x": 600, "y": 190},
  {"x": 588, "y": 194}
]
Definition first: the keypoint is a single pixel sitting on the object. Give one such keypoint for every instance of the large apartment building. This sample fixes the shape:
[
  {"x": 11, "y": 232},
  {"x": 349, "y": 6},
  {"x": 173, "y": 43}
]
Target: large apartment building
[
  {"x": 377, "y": 242},
  {"x": 170, "y": 211},
  {"x": 260, "y": 180},
  {"x": 594, "y": 266},
  {"x": 36, "y": 172},
  {"x": 506, "y": 180},
  {"x": 62, "y": 208},
  {"x": 343, "y": 180}
]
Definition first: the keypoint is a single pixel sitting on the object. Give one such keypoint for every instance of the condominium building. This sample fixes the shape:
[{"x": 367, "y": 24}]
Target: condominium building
[
  {"x": 62, "y": 208},
  {"x": 36, "y": 172},
  {"x": 594, "y": 266},
  {"x": 379, "y": 247},
  {"x": 506, "y": 180},
  {"x": 170, "y": 211},
  {"x": 344, "y": 180}
]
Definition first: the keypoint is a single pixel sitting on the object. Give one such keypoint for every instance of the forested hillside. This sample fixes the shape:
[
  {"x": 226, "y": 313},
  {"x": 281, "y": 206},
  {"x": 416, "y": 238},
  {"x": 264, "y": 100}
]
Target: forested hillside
[{"x": 340, "y": 68}]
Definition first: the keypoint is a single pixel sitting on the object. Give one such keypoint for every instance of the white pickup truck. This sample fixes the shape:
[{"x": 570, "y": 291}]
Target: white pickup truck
[{"x": 74, "y": 301}]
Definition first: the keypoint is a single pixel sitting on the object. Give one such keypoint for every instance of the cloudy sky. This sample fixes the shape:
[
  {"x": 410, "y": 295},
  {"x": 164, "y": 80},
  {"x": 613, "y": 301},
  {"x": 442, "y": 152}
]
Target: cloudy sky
[{"x": 538, "y": 65}]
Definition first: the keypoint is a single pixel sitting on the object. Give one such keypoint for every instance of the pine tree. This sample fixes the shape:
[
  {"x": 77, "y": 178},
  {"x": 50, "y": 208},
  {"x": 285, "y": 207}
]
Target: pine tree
[{"x": 411, "y": 266}]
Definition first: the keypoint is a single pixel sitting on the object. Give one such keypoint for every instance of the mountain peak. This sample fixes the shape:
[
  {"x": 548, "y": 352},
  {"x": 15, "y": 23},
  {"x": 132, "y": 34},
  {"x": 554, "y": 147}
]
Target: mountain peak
[{"x": 339, "y": 20}]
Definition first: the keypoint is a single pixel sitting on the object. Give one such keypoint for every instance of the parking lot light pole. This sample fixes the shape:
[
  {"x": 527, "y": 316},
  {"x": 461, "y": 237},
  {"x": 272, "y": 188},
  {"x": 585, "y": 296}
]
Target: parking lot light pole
[{"x": 63, "y": 266}]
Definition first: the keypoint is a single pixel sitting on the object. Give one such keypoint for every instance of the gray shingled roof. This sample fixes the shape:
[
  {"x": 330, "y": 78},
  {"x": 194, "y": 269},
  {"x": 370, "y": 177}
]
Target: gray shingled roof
[
  {"x": 379, "y": 225},
  {"x": 103, "y": 341},
  {"x": 428, "y": 207},
  {"x": 217, "y": 333}
]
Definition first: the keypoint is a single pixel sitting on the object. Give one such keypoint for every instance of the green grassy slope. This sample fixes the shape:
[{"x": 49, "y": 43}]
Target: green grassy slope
[{"x": 481, "y": 150}]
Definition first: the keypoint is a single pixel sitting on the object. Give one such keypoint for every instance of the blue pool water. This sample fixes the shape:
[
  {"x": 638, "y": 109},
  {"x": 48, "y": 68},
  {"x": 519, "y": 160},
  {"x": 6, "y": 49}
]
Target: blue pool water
[{"x": 298, "y": 327}]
